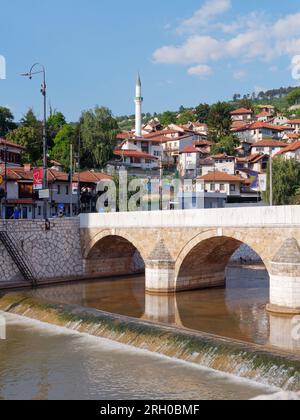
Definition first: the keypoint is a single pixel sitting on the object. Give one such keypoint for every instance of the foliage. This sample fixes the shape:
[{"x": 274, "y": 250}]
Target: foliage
[
  {"x": 293, "y": 98},
  {"x": 61, "y": 148},
  {"x": 55, "y": 122},
  {"x": 202, "y": 113},
  {"x": 286, "y": 180},
  {"x": 226, "y": 145},
  {"x": 167, "y": 118},
  {"x": 27, "y": 137},
  {"x": 219, "y": 120},
  {"x": 6, "y": 121},
  {"x": 186, "y": 117},
  {"x": 98, "y": 130}
]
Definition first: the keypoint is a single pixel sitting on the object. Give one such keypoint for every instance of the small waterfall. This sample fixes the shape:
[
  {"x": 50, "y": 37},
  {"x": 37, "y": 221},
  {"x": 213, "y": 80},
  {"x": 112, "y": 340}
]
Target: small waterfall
[{"x": 253, "y": 362}]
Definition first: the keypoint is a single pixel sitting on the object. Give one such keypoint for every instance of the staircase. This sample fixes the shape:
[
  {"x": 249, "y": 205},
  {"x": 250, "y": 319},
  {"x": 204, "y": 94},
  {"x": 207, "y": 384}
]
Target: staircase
[{"x": 18, "y": 258}]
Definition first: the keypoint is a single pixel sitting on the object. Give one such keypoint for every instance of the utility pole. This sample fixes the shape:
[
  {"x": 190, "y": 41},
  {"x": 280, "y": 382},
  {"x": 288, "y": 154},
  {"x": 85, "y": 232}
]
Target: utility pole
[
  {"x": 5, "y": 179},
  {"x": 78, "y": 168},
  {"x": 271, "y": 180},
  {"x": 71, "y": 180}
]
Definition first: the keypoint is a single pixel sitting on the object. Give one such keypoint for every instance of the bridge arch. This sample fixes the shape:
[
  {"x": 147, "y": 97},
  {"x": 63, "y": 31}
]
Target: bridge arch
[
  {"x": 111, "y": 253},
  {"x": 203, "y": 260}
]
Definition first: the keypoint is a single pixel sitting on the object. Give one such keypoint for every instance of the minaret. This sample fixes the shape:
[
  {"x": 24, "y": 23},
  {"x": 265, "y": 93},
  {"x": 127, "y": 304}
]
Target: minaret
[{"x": 138, "y": 107}]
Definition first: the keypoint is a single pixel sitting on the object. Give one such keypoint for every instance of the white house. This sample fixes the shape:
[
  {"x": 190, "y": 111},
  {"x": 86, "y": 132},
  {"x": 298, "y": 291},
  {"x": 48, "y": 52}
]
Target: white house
[
  {"x": 267, "y": 147},
  {"x": 242, "y": 114},
  {"x": 221, "y": 182},
  {"x": 225, "y": 163},
  {"x": 295, "y": 124},
  {"x": 257, "y": 131},
  {"x": 292, "y": 151}
]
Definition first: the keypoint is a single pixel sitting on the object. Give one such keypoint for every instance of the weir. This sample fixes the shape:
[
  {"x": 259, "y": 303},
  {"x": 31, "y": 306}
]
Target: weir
[{"x": 245, "y": 360}]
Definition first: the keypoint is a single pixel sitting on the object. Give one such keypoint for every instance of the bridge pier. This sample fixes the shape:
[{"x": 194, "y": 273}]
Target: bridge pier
[
  {"x": 160, "y": 270},
  {"x": 285, "y": 279}
]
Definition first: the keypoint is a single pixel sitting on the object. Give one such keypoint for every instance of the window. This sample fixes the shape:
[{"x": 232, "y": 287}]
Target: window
[
  {"x": 212, "y": 187},
  {"x": 25, "y": 190},
  {"x": 222, "y": 187},
  {"x": 39, "y": 210},
  {"x": 58, "y": 189},
  {"x": 232, "y": 188},
  {"x": 67, "y": 190}
]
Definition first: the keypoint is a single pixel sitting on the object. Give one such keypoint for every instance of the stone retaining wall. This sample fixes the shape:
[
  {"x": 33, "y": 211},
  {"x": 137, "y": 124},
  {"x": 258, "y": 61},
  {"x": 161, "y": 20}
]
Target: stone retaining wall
[{"x": 50, "y": 254}]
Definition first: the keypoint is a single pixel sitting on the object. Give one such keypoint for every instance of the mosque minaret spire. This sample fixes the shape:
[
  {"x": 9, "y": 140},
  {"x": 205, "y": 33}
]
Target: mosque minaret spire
[{"x": 138, "y": 107}]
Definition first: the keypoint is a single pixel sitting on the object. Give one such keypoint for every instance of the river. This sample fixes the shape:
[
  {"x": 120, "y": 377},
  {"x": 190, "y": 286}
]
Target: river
[{"x": 41, "y": 362}]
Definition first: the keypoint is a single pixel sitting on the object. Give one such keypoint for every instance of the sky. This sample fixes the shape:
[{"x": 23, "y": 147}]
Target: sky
[{"x": 187, "y": 52}]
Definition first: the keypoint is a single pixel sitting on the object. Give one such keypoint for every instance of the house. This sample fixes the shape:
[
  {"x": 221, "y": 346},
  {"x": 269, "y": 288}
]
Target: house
[
  {"x": 257, "y": 163},
  {"x": 189, "y": 161},
  {"x": 242, "y": 114},
  {"x": 221, "y": 182},
  {"x": 224, "y": 163},
  {"x": 135, "y": 158},
  {"x": 292, "y": 151},
  {"x": 267, "y": 147},
  {"x": 291, "y": 137},
  {"x": 267, "y": 108},
  {"x": 20, "y": 193},
  {"x": 254, "y": 132},
  {"x": 295, "y": 125},
  {"x": 10, "y": 153},
  {"x": 280, "y": 120},
  {"x": 198, "y": 128},
  {"x": 264, "y": 116}
]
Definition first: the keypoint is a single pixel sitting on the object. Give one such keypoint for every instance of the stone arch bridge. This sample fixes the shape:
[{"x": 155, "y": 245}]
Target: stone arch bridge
[{"x": 186, "y": 250}]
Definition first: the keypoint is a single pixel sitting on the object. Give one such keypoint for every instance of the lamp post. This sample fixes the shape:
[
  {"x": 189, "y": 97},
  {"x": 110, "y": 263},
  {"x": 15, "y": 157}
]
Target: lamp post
[{"x": 38, "y": 68}]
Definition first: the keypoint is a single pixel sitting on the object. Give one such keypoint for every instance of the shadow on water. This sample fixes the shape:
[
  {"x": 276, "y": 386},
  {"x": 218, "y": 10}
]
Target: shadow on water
[{"x": 237, "y": 311}]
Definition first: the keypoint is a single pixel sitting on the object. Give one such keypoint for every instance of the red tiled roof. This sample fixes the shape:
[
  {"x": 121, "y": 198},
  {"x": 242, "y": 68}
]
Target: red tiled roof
[
  {"x": 269, "y": 143},
  {"x": 290, "y": 148},
  {"x": 220, "y": 176},
  {"x": 161, "y": 133},
  {"x": 295, "y": 121},
  {"x": 12, "y": 144},
  {"x": 222, "y": 156},
  {"x": 134, "y": 154},
  {"x": 264, "y": 114},
  {"x": 124, "y": 135},
  {"x": 190, "y": 149},
  {"x": 241, "y": 111},
  {"x": 258, "y": 124}
]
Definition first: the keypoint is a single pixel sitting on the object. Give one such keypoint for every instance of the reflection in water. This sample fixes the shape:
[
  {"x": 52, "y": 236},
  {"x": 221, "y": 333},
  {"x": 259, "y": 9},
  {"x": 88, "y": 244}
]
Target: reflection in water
[
  {"x": 39, "y": 362},
  {"x": 237, "y": 311}
]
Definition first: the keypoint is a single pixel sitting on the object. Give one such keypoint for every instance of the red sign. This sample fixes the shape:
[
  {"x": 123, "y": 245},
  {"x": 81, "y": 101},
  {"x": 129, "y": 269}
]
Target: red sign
[{"x": 38, "y": 179}]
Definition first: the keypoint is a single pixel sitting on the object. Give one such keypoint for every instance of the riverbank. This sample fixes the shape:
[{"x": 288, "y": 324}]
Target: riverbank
[{"x": 248, "y": 361}]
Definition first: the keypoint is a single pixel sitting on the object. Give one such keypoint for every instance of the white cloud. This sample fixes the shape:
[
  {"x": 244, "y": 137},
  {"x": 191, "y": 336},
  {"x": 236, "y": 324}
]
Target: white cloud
[
  {"x": 201, "y": 70},
  {"x": 203, "y": 16},
  {"x": 240, "y": 75},
  {"x": 258, "y": 38}
]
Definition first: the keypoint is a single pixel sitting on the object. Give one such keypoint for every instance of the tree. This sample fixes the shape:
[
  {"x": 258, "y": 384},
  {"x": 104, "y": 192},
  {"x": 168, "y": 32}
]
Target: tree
[
  {"x": 226, "y": 145},
  {"x": 202, "y": 112},
  {"x": 6, "y": 121},
  {"x": 186, "y": 117},
  {"x": 245, "y": 103},
  {"x": 293, "y": 97},
  {"x": 98, "y": 133},
  {"x": 286, "y": 180},
  {"x": 54, "y": 124},
  {"x": 219, "y": 120},
  {"x": 62, "y": 142},
  {"x": 27, "y": 137},
  {"x": 167, "y": 118}
]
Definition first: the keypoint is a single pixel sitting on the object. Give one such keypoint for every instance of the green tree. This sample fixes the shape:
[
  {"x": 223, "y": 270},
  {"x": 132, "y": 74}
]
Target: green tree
[
  {"x": 55, "y": 122},
  {"x": 226, "y": 145},
  {"x": 60, "y": 152},
  {"x": 6, "y": 121},
  {"x": 27, "y": 137},
  {"x": 167, "y": 118},
  {"x": 219, "y": 120},
  {"x": 286, "y": 180},
  {"x": 98, "y": 130},
  {"x": 245, "y": 103},
  {"x": 293, "y": 98},
  {"x": 186, "y": 117},
  {"x": 202, "y": 112}
]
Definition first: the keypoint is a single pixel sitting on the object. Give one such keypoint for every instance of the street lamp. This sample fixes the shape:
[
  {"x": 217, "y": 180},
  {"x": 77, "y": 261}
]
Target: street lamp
[{"x": 38, "y": 68}]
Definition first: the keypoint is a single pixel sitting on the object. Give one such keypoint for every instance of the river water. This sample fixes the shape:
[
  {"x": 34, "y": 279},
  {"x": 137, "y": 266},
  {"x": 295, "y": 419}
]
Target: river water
[
  {"x": 45, "y": 362},
  {"x": 237, "y": 311}
]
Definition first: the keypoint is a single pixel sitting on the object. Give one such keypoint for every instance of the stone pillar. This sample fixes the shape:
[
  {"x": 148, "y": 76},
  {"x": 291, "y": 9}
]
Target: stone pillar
[
  {"x": 161, "y": 308},
  {"x": 160, "y": 270},
  {"x": 285, "y": 279}
]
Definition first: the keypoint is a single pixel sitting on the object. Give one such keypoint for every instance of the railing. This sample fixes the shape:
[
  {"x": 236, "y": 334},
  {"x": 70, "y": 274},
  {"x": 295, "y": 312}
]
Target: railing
[{"x": 18, "y": 258}]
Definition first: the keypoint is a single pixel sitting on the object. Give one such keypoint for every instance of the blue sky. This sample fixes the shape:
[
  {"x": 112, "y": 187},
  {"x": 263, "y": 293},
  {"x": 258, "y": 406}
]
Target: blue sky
[{"x": 187, "y": 52}]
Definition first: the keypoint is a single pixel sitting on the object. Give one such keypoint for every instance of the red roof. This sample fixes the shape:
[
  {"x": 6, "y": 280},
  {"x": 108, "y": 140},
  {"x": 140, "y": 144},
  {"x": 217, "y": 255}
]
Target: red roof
[
  {"x": 264, "y": 114},
  {"x": 222, "y": 156},
  {"x": 269, "y": 143},
  {"x": 220, "y": 177},
  {"x": 134, "y": 154},
  {"x": 161, "y": 133},
  {"x": 241, "y": 111},
  {"x": 190, "y": 149},
  {"x": 290, "y": 148},
  {"x": 259, "y": 124},
  {"x": 12, "y": 144},
  {"x": 295, "y": 121},
  {"x": 124, "y": 135}
]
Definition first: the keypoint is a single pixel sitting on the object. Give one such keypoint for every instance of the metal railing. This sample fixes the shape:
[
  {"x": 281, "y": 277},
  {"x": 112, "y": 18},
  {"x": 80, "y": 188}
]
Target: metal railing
[{"x": 18, "y": 258}]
